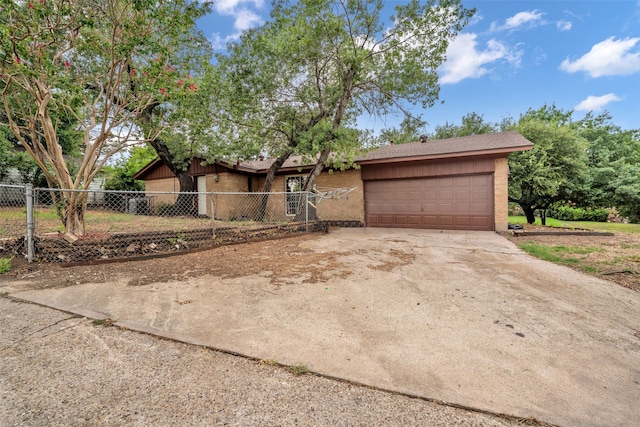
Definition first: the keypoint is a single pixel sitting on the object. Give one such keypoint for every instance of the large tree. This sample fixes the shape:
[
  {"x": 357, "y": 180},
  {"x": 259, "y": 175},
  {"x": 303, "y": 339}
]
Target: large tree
[
  {"x": 410, "y": 129},
  {"x": 471, "y": 124},
  {"x": 7, "y": 154},
  {"x": 177, "y": 122},
  {"x": 317, "y": 65},
  {"x": 613, "y": 159},
  {"x": 555, "y": 169},
  {"x": 81, "y": 58}
]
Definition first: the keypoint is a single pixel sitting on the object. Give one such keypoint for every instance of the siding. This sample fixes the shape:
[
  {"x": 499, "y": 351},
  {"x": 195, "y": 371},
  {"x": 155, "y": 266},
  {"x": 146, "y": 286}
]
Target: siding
[{"x": 428, "y": 168}]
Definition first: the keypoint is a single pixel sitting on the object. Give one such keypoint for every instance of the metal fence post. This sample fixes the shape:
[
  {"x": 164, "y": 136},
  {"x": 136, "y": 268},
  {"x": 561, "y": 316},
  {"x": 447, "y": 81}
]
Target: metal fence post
[
  {"x": 306, "y": 222},
  {"x": 30, "y": 222},
  {"x": 213, "y": 217}
]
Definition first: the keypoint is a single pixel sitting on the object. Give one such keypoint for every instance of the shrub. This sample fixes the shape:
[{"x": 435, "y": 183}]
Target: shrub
[
  {"x": 515, "y": 209},
  {"x": 570, "y": 213},
  {"x": 163, "y": 209},
  {"x": 5, "y": 265}
]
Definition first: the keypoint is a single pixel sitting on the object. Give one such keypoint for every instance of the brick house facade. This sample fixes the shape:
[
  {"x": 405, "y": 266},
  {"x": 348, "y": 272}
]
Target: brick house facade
[{"x": 458, "y": 183}]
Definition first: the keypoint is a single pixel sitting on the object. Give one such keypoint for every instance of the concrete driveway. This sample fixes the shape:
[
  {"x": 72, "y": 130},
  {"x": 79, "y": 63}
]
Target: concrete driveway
[{"x": 460, "y": 317}]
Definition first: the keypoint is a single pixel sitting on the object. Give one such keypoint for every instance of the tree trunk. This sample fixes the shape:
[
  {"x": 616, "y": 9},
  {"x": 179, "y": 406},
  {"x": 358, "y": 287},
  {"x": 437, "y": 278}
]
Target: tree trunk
[
  {"x": 186, "y": 204},
  {"x": 337, "y": 122},
  {"x": 271, "y": 174},
  {"x": 302, "y": 215},
  {"x": 529, "y": 212},
  {"x": 317, "y": 169},
  {"x": 74, "y": 206}
]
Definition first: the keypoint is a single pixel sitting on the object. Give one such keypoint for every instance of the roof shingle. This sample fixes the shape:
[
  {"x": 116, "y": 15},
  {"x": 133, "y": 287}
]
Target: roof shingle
[
  {"x": 476, "y": 144},
  {"x": 486, "y": 144}
]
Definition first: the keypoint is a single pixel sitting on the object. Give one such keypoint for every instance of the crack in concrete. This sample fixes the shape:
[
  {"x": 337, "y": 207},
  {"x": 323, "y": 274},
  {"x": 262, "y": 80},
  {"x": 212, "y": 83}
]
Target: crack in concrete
[{"x": 42, "y": 329}]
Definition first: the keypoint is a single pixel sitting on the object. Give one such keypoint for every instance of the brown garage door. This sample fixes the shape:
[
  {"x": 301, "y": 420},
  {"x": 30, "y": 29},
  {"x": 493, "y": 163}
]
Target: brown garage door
[{"x": 454, "y": 203}]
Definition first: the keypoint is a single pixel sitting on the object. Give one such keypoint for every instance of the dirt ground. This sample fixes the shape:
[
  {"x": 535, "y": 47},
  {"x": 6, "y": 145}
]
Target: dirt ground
[
  {"x": 283, "y": 256},
  {"x": 615, "y": 258},
  {"x": 454, "y": 316}
]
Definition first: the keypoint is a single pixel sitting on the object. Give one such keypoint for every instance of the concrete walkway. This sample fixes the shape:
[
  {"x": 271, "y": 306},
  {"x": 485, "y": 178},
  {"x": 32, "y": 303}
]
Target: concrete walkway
[{"x": 461, "y": 317}]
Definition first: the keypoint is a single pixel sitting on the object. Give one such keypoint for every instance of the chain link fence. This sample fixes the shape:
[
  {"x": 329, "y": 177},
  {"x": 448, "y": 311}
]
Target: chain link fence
[
  {"x": 12, "y": 211},
  {"x": 83, "y": 225},
  {"x": 13, "y": 219}
]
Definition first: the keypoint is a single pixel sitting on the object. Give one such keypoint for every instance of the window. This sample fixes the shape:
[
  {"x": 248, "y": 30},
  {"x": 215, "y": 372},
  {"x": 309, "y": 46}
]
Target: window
[{"x": 293, "y": 185}]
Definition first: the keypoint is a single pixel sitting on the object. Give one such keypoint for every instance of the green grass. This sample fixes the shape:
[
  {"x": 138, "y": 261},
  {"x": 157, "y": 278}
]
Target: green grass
[
  {"x": 5, "y": 265},
  {"x": 563, "y": 255},
  {"x": 589, "y": 269},
  {"x": 613, "y": 227},
  {"x": 555, "y": 254},
  {"x": 97, "y": 221},
  {"x": 298, "y": 370},
  {"x": 579, "y": 250}
]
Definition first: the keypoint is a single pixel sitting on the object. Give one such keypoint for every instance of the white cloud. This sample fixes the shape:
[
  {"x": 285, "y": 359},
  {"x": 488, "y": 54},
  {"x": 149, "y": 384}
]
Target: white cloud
[
  {"x": 610, "y": 57},
  {"x": 246, "y": 19},
  {"x": 475, "y": 19},
  {"x": 228, "y": 7},
  {"x": 527, "y": 19},
  {"x": 219, "y": 43},
  {"x": 243, "y": 19},
  {"x": 464, "y": 61},
  {"x": 596, "y": 103},
  {"x": 564, "y": 25},
  {"x": 522, "y": 18}
]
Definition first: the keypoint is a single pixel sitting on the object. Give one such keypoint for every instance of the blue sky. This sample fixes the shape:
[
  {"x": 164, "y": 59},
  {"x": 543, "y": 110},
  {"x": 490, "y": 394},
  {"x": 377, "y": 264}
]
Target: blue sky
[{"x": 513, "y": 55}]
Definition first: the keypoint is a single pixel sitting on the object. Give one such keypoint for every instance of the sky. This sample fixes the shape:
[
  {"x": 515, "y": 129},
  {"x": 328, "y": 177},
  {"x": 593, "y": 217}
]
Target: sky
[{"x": 512, "y": 56}]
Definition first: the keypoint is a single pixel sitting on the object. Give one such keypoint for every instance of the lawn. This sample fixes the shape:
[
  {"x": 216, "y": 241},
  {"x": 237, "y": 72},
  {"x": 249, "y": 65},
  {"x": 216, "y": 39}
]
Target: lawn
[
  {"x": 614, "y": 227},
  {"x": 13, "y": 222},
  {"x": 615, "y": 258},
  {"x": 98, "y": 221}
]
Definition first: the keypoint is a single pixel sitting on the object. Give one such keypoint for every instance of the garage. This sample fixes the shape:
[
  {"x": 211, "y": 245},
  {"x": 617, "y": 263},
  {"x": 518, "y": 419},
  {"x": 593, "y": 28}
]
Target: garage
[
  {"x": 450, "y": 184},
  {"x": 443, "y": 202}
]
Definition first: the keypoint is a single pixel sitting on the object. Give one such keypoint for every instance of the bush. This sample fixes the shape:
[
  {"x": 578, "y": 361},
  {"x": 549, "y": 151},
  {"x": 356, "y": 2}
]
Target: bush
[
  {"x": 5, "y": 265},
  {"x": 570, "y": 213},
  {"x": 515, "y": 209}
]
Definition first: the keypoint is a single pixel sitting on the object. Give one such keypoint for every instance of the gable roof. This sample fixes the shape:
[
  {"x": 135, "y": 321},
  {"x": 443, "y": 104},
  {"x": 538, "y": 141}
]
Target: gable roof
[
  {"x": 488, "y": 144},
  {"x": 474, "y": 145},
  {"x": 293, "y": 162}
]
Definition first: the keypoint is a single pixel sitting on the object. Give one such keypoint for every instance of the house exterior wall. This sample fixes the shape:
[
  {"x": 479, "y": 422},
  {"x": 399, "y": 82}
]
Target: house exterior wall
[
  {"x": 351, "y": 207},
  {"x": 230, "y": 207},
  {"x": 501, "y": 194},
  {"x": 164, "y": 184},
  {"x": 227, "y": 182},
  {"x": 348, "y": 208}
]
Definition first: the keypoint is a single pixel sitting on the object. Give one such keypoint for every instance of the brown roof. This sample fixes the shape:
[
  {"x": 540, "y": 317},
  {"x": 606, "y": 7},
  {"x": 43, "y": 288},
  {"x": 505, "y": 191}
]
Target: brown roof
[
  {"x": 474, "y": 145},
  {"x": 501, "y": 143},
  {"x": 484, "y": 144},
  {"x": 264, "y": 165}
]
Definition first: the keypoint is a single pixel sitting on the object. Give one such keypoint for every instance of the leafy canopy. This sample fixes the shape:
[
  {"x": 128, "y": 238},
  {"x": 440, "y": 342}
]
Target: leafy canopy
[
  {"x": 299, "y": 82},
  {"x": 77, "y": 61}
]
